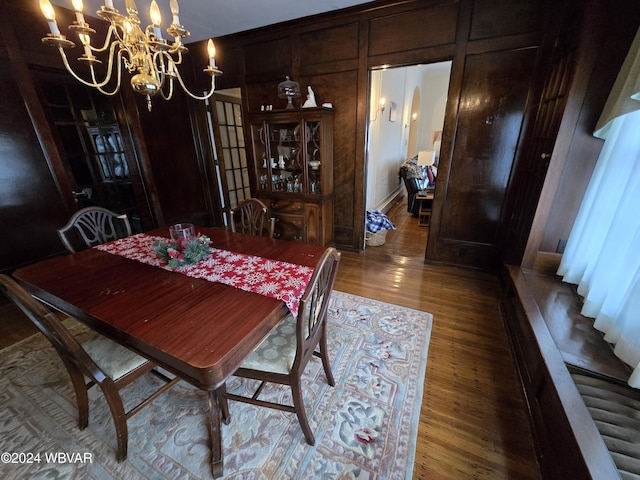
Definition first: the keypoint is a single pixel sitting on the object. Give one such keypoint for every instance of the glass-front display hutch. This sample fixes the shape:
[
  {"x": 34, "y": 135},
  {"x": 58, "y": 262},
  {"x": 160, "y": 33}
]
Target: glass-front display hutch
[{"x": 292, "y": 171}]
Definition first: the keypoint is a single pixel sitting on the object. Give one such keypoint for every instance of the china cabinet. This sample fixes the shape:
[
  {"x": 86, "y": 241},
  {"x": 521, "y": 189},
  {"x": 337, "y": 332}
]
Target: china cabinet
[{"x": 292, "y": 171}]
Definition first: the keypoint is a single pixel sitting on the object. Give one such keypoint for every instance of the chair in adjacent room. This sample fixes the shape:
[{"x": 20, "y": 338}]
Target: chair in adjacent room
[
  {"x": 411, "y": 176},
  {"x": 251, "y": 217},
  {"x": 93, "y": 226},
  {"x": 104, "y": 362},
  {"x": 296, "y": 340}
]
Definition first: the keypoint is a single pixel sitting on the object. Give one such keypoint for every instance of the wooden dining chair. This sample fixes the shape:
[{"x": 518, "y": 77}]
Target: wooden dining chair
[
  {"x": 251, "y": 216},
  {"x": 104, "y": 362},
  {"x": 283, "y": 355},
  {"x": 93, "y": 226}
]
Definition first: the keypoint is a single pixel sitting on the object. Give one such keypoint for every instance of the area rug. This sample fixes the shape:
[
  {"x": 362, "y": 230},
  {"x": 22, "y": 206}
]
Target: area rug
[{"x": 365, "y": 427}]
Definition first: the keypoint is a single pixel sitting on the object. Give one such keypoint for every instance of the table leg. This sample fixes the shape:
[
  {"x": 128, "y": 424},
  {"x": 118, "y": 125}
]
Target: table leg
[{"x": 215, "y": 435}]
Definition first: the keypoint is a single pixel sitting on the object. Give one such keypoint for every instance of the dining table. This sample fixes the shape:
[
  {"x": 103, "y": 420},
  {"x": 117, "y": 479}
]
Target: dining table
[{"x": 200, "y": 329}]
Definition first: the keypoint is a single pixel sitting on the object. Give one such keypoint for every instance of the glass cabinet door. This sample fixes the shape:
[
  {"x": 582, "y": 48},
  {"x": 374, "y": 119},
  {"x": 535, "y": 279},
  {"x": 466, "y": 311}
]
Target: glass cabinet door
[
  {"x": 263, "y": 173},
  {"x": 286, "y": 157},
  {"x": 314, "y": 158}
]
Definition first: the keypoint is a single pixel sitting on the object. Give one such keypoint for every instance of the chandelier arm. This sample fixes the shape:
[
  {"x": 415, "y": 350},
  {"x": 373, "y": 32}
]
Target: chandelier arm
[
  {"x": 170, "y": 94},
  {"x": 205, "y": 96},
  {"x": 95, "y": 84},
  {"x": 161, "y": 75},
  {"x": 111, "y": 32},
  {"x": 178, "y": 54},
  {"x": 179, "y": 59},
  {"x": 119, "y": 77}
]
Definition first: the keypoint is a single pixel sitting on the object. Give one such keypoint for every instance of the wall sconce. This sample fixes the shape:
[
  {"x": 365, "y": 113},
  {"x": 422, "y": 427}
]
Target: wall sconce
[
  {"x": 393, "y": 112},
  {"x": 380, "y": 108},
  {"x": 414, "y": 116}
]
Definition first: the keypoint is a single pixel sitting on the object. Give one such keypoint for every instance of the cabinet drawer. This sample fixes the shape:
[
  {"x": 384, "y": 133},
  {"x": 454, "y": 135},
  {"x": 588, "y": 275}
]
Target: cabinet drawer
[
  {"x": 289, "y": 227},
  {"x": 286, "y": 206}
]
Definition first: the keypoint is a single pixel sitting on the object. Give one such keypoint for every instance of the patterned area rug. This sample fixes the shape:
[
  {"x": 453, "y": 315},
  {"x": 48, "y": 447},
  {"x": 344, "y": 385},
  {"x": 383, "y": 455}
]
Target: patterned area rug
[{"x": 365, "y": 426}]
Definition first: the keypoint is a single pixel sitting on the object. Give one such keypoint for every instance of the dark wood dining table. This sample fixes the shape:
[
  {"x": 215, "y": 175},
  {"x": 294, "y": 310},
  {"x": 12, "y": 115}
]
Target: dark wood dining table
[{"x": 199, "y": 330}]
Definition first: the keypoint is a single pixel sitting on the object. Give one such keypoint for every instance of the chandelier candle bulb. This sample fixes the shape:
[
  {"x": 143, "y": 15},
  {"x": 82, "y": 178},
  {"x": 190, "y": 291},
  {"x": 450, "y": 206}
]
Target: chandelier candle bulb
[
  {"x": 108, "y": 4},
  {"x": 77, "y": 6},
  {"x": 130, "y": 5},
  {"x": 50, "y": 14},
  {"x": 156, "y": 18},
  {"x": 212, "y": 53},
  {"x": 175, "y": 10}
]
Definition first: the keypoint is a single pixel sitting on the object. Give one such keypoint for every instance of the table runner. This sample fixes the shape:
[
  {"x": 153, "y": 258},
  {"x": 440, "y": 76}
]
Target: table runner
[{"x": 272, "y": 278}]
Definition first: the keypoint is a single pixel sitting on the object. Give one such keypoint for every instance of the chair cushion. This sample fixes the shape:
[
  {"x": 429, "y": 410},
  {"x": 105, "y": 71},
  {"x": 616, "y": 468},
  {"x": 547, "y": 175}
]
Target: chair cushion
[
  {"x": 114, "y": 359},
  {"x": 277, "y": 352}
]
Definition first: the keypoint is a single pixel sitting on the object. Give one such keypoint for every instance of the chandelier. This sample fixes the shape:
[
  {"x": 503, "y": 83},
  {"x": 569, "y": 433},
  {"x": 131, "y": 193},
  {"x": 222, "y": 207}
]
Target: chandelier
[{"x": 148, "y": 56}]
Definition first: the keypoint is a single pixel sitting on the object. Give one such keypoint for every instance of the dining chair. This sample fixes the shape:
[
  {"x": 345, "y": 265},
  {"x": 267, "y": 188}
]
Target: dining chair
[
  {"x": 104, "y": 362},
  {"x": 93, "y": 226},
  {"x": 283, "y": 355},
  {"x": 253, "y": 218}
]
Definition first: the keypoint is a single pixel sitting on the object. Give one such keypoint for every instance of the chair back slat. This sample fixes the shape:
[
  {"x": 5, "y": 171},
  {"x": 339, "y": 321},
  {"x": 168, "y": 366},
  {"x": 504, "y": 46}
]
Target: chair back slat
[
  {"x": 251, "y": 217},
  {"x": 314, "y": 304},
  {"x": 93, "y": 226}
]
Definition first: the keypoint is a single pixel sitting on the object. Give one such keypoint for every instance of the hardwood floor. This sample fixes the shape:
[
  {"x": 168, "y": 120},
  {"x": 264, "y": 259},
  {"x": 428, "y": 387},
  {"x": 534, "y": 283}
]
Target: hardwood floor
[
  {"x": 14, "y": 326},
  {"x": 473, "y": 422}
]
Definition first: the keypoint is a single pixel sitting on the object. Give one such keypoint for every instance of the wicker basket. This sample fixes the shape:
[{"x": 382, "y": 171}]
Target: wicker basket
[{"x": 375, "y": 239}]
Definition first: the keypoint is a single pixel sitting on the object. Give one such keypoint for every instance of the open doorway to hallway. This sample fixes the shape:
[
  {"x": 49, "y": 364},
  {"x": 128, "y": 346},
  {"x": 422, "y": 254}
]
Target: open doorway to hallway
[{"x": 407, "y": 110}]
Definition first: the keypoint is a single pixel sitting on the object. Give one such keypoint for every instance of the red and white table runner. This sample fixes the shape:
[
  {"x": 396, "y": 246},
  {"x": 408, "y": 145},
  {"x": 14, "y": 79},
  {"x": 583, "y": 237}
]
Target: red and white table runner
[{"x": 272, "y": 278}]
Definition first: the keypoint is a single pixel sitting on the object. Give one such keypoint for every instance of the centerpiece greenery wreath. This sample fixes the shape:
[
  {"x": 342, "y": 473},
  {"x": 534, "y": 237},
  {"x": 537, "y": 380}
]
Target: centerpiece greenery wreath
[{"x": 178, "y": 254}]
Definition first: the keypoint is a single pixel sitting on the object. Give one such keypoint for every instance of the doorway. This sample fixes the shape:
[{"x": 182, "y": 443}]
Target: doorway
[
  {"x": 231, "y": 165},
  {"x": 402, "y": 126},
  {"x": 99, "y": 157}
]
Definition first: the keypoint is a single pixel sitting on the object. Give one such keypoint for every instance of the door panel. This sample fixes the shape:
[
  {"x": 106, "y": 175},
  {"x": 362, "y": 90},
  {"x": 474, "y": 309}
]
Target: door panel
[
  {"x": 31, "y": 207},
  {"x": 495, "y": 87},
  {"x": 231, "y": 157},
  {"x": 533, "y": 162},
  {"x": 98, "y": 158}
]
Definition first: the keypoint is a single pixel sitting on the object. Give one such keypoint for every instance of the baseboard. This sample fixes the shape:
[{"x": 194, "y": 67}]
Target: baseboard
[{"x": 394, "y": 197}]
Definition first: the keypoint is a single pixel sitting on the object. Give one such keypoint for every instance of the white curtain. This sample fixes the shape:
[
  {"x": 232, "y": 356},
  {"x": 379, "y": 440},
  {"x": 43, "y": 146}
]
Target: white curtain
[{"x": 603, "y": 250}]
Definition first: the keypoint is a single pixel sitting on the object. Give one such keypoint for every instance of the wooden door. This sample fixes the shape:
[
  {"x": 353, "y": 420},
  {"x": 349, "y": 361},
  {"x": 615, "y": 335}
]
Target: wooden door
[
  {"x": 96, "y": 150},
  {"x": 535, "y": 156},
  {"x": 230, "y": 155},
  {"x": 472, "y": 182}
]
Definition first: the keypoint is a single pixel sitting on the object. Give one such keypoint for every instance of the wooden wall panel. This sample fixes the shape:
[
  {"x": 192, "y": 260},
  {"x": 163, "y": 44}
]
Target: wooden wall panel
[
  {"x": 495, "y": 19},
  {"x": 174, "y": 159},
  {"x": 330, "y": 44},
  {"x": 491, "y": 108},
  {"x": 266, "y": 93},
  {"x": 31, "y": 208},
  {"x": 229, "y": 58},
  {"x": 414, "y": 29},
  {"x": 339, "y": 88},
  {"x": 268, "y": 58}
]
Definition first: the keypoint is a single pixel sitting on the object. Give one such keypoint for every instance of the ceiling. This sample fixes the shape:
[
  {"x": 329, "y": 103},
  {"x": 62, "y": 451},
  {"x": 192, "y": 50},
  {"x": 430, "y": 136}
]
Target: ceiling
[{"x": 214, "y": 18}]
